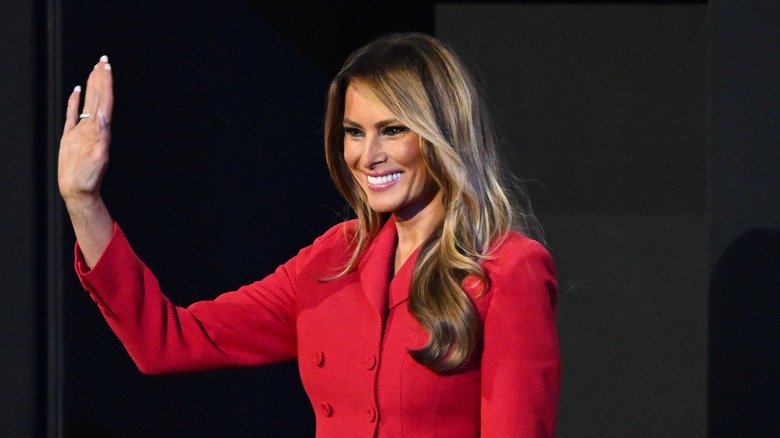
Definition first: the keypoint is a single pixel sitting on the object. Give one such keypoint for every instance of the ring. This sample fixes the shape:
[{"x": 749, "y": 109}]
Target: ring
[{"x": 84, "y": 115}]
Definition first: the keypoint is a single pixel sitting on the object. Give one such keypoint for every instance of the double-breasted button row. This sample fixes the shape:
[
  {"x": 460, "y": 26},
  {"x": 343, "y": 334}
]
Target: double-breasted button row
[
  {"x": 370, "y": 414},
  {"x": 326, "y": 409},
  {"x": 369, "y": 362}
]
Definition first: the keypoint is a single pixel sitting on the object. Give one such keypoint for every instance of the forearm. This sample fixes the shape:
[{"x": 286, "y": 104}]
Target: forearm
[{"x": 93, "y": 226}]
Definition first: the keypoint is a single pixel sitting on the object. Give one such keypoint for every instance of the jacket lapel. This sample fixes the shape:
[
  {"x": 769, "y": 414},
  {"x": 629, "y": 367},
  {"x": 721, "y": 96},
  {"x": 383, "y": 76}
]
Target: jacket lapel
[
  {"x": 374, "y": 268},
  {"x": 402, "y": 282}
]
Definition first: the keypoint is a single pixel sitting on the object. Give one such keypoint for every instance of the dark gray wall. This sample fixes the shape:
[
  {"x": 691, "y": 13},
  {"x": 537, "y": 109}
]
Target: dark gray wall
[{"x": 604, "y": 110}]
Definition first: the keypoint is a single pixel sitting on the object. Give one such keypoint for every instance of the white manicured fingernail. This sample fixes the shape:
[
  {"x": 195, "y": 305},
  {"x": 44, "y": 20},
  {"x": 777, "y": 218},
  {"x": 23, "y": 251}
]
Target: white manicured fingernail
[
  {"x": 107, "y": 66},
  {"x": 104, "y": 58},
  {"x": 77, "y": 89}
]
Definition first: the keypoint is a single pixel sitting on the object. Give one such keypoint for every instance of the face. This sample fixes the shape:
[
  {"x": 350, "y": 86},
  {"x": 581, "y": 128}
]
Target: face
[{"x": 384, "y": 157}]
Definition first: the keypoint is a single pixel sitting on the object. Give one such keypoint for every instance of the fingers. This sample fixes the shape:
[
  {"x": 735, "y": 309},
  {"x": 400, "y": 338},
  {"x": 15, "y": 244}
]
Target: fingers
[
  {"x": 72, "y": 113},
  {"x": 107, "y": 104},
  {"x": 99, "y": 96}
]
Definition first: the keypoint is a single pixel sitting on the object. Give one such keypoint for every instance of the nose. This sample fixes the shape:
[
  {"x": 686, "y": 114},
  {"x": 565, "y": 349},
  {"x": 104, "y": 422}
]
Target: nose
[{"x": 373, "y": 152}]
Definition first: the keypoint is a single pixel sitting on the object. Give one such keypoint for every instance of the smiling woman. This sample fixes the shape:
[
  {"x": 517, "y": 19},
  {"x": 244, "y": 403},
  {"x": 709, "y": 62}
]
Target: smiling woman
[
  {"x": 432, "y": 314},
  {"x": 385, "y": 159}
]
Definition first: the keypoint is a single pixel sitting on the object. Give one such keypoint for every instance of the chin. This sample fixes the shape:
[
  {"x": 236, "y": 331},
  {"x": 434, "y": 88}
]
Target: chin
[{"x": 383, "y": 209}]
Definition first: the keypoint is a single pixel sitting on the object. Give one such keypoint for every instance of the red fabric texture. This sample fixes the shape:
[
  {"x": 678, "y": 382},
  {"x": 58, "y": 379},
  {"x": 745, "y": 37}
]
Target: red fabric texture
[{"x": 351, "y": 337}]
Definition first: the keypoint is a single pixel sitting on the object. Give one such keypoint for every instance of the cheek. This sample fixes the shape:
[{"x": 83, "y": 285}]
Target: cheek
[
  {"x": 409, "y": 155},
  {"x": 351, "y": 154}
]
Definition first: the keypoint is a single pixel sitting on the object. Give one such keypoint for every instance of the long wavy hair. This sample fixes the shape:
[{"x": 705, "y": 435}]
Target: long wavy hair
[{"x": 427, "y": 88}]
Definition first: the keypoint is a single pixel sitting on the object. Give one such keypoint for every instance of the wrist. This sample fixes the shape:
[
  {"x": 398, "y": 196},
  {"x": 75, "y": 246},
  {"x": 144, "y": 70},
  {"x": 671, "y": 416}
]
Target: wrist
[{"x": 83, "y": 204}]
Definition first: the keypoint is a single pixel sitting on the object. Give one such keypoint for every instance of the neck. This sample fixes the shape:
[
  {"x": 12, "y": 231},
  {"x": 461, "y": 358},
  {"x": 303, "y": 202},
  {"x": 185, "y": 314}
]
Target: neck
[{"x": 413, "y": 231}]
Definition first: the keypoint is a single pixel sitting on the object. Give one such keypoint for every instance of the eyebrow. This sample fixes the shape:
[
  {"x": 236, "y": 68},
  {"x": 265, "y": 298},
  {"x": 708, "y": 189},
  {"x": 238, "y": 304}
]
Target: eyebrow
[{"x": 378, "y": 125}]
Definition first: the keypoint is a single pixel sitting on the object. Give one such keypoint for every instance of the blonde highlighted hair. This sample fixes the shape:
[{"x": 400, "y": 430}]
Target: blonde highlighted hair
[{"x": 427, "y": 88}]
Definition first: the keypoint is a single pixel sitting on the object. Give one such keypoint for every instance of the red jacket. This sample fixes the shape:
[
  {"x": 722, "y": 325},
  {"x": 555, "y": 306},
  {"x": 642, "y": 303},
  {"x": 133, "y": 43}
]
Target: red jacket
[{"x": 354, "y": 360}]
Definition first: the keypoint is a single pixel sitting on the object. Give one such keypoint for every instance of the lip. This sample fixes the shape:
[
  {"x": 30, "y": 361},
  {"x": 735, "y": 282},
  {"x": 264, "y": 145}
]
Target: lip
[{"x": 383, "y": 180}]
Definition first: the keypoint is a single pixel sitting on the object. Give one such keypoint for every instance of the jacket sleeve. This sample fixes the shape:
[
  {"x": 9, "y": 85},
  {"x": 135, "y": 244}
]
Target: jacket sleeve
[
  {"x": 252, "y": 325},
  {"x": 521, "y": 361}
]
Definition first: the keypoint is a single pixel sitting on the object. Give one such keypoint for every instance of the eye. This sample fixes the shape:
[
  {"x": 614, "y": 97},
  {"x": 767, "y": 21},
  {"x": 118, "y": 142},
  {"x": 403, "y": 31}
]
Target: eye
[
  {"x": 352, "y": 132},
  {"x": 394, "y": 130}
]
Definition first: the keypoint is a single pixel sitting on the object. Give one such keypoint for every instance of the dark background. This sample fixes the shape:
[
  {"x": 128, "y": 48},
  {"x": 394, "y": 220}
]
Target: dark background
[
  {"x": 647, "y": 132},
  {"x": 604, "y": 111}
]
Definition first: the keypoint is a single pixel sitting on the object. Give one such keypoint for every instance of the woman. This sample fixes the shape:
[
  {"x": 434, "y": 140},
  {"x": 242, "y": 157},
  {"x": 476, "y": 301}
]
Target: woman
[{"x": 426, "y": 316}]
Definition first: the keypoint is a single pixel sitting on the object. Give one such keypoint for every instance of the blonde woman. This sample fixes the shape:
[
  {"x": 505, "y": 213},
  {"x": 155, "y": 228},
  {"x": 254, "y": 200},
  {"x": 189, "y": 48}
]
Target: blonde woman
[{"x": 431, "y": 314}]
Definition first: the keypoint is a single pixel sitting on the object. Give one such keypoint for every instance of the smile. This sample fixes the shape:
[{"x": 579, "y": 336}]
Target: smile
[{"x": 380, "y": 182}]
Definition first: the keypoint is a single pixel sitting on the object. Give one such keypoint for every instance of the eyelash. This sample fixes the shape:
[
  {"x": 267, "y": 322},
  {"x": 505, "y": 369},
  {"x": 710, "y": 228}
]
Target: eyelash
[
  {"x": 352, "y": 132},
  {"x": 387, "y": 130},
  {"x": 394, "y": 130}
]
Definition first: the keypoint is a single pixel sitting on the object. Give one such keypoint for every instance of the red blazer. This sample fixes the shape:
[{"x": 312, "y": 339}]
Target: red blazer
[{"x": 351, "y": 337}]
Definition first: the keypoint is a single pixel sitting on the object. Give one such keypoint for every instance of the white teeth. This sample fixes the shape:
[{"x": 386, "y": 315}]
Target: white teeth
[{"x": 383, "y": 179}]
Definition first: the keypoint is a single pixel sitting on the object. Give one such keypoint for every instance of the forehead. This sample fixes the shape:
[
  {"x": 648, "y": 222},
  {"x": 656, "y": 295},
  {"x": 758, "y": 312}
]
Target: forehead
[{"x": 360, "y": 102}]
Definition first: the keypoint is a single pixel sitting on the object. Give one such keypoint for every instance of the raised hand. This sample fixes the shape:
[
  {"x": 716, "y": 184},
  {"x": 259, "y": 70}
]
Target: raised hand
[
  {"x": 83, "y": 159},
  {"x": 83, "y": 156}
]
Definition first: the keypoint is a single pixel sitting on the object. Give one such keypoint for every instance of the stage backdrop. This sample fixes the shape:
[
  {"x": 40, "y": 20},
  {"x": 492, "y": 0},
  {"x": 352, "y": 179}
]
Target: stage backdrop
[{"x": 217, "y": 176}]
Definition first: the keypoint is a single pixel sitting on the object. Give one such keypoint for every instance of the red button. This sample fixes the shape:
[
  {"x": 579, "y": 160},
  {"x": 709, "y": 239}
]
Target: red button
[
  {"x": 319, "y": 359},
  {"x": 326, "y": 409},
  {"x": 370, "y": 362},
  {"x": 370, "y": 414}
]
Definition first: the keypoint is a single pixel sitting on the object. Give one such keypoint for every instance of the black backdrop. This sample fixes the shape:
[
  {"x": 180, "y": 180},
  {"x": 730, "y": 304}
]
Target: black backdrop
[{"x": 217, "y": 176}]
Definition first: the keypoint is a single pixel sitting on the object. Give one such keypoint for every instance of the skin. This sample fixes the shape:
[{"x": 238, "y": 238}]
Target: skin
[
  {"x": 83, "y": 159},
  {"x": 377, "y": 144}
]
